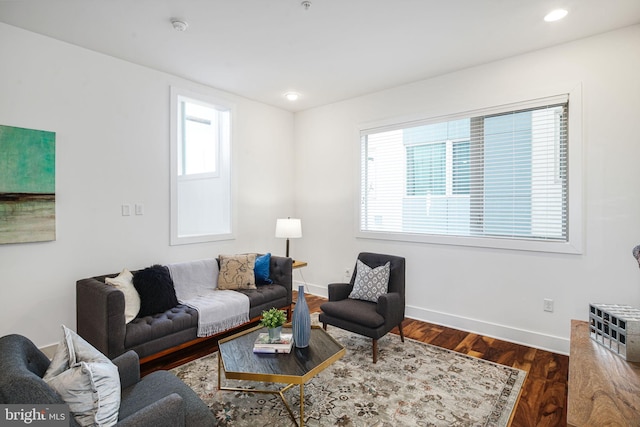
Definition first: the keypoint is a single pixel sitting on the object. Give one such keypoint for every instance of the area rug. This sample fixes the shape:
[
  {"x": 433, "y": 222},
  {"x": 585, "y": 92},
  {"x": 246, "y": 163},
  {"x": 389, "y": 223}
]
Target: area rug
[{"x": 413, "y": 384}]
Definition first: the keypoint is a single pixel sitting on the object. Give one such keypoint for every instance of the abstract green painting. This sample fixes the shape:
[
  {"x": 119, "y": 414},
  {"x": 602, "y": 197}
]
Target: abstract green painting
[{"x": 27, "y": 185}]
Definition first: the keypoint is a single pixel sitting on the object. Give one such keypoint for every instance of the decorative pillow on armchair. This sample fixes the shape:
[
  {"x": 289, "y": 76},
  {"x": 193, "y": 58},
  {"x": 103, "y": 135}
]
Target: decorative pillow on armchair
[
  {"x": 155, "y": 286},
  {"x": 86, "y": 380},
  {"x": 236, "y": 272},
  {"x": 370, "y": 283}
]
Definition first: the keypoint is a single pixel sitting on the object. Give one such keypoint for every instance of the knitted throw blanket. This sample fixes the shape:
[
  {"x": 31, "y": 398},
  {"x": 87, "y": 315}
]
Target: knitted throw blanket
[{"x": 195, "y": 283}]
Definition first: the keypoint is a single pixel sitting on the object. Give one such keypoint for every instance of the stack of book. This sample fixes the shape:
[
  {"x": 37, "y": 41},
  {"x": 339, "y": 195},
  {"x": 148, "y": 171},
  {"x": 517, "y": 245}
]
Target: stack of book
[{"x": 265, "y": 345}]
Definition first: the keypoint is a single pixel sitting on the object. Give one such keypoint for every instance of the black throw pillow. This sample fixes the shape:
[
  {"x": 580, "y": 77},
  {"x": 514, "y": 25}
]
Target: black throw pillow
[{"x": 156, "y": 290}]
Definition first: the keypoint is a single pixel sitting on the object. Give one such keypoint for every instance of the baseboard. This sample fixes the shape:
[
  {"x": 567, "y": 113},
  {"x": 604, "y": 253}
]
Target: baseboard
[
  {"x": 49, "y": 350},
  {"x": 309, "y": 288},
  {"x": 518, "y": 336},
  {"x": 546, "y": 342}
]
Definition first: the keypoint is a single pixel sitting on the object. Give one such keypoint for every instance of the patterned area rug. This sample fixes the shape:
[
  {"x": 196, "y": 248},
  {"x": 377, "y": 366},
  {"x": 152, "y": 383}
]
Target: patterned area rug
[{"x": 413, "y": 384}]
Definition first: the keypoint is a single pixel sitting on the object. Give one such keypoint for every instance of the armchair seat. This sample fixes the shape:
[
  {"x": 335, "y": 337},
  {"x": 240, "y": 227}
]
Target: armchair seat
[
  {"x": 353, "y": 311},
  {"x": 371, "y": 318}
]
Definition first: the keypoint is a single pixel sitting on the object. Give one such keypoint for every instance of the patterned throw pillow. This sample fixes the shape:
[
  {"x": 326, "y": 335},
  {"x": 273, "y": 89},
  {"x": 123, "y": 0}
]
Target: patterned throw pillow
[
  {"x": 236, "y": 272},
  {"x": 370, "y": 283}
]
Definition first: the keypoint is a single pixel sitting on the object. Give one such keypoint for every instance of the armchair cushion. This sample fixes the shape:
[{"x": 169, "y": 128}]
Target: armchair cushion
[
  {"x": 86, "y": 380},
  {"x": 354, "y": 311},
  {"x": 370, "y": 283}
]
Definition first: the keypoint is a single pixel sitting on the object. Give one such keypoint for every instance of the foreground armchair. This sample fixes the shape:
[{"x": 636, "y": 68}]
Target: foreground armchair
[
  {"x": 159, "y": 399},
  {"x": 359, "y": 307}
]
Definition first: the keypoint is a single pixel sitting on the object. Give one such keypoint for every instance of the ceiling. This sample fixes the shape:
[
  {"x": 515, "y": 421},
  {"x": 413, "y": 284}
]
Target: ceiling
[{"x": 335, "y": 50}]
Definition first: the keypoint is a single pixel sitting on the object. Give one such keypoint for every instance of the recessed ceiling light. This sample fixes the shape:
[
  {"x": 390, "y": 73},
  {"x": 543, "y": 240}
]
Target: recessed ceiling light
[
  {"x": 555, "y": 15},
  {"x": 292, "y": 96}
]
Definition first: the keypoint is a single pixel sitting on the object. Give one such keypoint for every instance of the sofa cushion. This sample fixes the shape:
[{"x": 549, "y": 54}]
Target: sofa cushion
[
  {"x": 262, "y": 269},
  {"x": 236, "y": 272},
  {"x": 124, "y": 282},
  {"x": 159, "y": 325},
  {"x": 86, "y": 380},
  {"x": 156, "y": 290}
]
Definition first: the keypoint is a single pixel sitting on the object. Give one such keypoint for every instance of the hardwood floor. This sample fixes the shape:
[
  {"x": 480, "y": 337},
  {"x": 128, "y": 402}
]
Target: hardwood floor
[{"x": 544, "y": 394}]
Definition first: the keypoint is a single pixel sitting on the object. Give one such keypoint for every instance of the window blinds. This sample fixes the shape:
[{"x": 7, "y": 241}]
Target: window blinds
[{"x": 499, "y": 173}]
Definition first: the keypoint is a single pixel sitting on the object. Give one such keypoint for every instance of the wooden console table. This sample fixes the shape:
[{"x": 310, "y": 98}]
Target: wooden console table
[{"x": 604, "y": 389}]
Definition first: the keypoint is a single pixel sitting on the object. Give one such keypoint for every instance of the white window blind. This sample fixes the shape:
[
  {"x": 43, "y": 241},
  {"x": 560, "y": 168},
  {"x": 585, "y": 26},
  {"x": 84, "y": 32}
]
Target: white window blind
[{"x": 498, "y": 173}]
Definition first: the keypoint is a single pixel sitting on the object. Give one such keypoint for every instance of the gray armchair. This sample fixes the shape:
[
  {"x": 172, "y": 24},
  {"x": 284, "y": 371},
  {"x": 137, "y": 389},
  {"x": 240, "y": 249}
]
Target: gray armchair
[
  {"x": 157, "y": 400},
  {"x": 367, "y": 318}
]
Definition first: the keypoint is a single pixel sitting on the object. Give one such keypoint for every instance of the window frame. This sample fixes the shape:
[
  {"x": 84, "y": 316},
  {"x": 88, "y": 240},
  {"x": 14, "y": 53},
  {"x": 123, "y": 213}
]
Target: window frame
[
  {"x": 574, "y": 242},
  {"x": 224, "y": 166}
]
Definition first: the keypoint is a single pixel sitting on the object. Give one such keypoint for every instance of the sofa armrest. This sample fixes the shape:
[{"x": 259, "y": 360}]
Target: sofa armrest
[
  {"x": 339, "y": 291},
  {"x": 281, "y": 272},
  {"x": 100, "y": 316},
  {"x": 129, "y": 368},
  {"x": 166, "y": 412}
]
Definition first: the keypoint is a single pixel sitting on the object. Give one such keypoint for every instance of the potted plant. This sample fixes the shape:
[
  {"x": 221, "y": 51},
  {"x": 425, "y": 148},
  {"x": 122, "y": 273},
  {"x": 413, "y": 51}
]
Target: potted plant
[{"x": 273, "y": 319}]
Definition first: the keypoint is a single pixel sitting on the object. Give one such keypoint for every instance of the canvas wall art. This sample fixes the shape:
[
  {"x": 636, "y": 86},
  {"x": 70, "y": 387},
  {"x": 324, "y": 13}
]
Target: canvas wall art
[{"x": 27, "y": 185}]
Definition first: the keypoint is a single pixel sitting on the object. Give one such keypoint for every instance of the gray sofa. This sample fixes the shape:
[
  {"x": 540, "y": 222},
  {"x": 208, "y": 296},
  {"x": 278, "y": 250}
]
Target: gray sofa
[
  {"x": 101, "y": 321},
  {"x": 157, "y": 400}
]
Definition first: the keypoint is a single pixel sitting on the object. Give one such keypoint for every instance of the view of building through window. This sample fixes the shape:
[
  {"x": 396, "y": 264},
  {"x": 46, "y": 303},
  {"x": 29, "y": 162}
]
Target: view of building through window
[{"x": 501, "y": 175}]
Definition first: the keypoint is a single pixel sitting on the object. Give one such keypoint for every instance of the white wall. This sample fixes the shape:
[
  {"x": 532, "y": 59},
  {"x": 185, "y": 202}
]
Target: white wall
[
  {"x": 111, "y": 120},
  {"x": 495, "y": 292}
]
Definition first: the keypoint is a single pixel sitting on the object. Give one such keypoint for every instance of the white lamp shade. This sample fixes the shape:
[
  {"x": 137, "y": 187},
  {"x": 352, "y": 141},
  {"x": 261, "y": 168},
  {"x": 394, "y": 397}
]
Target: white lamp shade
[{"x": 288, "y": 228}]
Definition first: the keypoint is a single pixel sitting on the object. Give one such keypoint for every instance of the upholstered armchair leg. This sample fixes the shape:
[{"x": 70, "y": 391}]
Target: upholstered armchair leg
[
  {"x": 375, "y": 351},
  {"x": 401, "y": 332}
]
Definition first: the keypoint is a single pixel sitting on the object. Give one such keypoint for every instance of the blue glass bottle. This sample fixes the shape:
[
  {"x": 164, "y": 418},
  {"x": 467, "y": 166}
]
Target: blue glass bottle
[{"x": 301, "y": 322}]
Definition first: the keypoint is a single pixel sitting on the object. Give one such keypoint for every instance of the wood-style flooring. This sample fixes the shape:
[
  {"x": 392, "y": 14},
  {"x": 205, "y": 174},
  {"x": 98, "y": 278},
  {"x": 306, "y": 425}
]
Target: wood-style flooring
[{"x": 544, "y": 394}]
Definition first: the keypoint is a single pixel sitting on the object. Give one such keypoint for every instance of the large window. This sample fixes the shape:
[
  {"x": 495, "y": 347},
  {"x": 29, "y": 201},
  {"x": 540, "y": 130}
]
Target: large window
[
  {"x": 200, "y": 169},
  {"x": 488, "y": 178}
]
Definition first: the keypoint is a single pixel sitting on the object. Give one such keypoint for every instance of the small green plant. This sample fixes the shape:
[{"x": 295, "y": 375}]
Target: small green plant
[{"x": 273, "y": 318}]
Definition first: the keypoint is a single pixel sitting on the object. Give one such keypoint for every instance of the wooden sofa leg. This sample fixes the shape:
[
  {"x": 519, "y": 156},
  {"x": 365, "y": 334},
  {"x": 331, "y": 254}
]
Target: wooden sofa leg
[
  {"x": 375, "y": 351},
  {"x": 324, "y": 326},
  {"x": 401, "y": 332}
]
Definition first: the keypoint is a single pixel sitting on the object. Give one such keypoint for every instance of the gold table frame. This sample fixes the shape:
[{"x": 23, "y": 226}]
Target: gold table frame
[{"x": 291, "y": 379}]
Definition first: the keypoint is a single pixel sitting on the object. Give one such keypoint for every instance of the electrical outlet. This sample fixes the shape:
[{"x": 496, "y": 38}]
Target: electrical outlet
[
  {"x": 347, "y": 273},
  {"x": 548, "y": 305}
]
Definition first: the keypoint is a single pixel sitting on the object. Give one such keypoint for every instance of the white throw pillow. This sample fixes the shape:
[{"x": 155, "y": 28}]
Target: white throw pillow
[
  {"x": 370, "y": 283},
  {"x": 86, "y": 380},
  {"x": 124, "y": 282}
]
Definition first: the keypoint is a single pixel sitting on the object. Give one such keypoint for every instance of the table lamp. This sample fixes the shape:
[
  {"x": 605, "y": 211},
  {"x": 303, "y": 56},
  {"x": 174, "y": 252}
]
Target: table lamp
[{"x": 288, "y": 228}]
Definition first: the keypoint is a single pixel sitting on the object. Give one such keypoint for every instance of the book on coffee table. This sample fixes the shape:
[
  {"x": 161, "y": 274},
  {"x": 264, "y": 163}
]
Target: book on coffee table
[{"x": 265, "y": 345}]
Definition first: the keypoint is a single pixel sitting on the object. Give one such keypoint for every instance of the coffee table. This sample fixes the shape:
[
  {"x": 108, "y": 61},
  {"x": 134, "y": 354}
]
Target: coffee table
[{"x": 238, "y": 362}]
